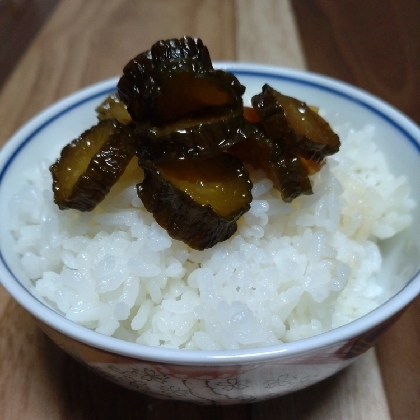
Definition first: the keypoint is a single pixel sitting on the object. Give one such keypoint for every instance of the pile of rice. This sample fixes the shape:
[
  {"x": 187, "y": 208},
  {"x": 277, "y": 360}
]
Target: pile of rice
[{"x": 291, "y": 270}]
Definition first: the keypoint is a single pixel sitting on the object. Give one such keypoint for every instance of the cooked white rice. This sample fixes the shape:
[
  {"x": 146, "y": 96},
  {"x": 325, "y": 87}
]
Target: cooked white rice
[{"x": 291, "y": 270}]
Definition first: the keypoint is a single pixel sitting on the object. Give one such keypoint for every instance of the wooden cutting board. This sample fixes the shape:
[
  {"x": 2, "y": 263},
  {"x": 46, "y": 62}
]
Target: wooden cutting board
[{"x": 83, "y": 42}]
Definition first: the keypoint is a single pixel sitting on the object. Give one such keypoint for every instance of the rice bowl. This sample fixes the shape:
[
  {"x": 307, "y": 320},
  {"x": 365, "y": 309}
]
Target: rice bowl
[
  {"x": 291, "y": 271},
  {"x": 199, "y": 314}
]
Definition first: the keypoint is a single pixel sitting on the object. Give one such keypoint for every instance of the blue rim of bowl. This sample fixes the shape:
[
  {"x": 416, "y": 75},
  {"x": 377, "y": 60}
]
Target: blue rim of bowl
[{"x": 202, "y": 357}]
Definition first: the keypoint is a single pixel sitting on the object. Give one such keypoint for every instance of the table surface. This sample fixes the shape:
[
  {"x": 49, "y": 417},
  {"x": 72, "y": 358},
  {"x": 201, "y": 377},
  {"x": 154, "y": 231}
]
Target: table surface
[{"x": 50, "y": 48}]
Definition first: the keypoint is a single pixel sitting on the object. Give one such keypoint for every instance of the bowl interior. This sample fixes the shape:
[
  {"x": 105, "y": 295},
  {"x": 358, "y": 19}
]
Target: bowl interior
[{"x": 399, "y": 139}]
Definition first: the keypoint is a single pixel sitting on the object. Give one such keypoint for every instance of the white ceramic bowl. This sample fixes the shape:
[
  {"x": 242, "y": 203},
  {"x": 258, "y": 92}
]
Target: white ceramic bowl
[{"x": 223, "y": 377}]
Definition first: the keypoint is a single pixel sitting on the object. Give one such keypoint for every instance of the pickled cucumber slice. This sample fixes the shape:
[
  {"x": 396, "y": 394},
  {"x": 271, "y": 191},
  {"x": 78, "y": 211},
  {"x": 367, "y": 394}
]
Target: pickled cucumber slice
[
  {"x": 194, "y": 139},
  {"x": 251, "y": 115},
  {"x": 197, "y": 204},
  {"x": 113, "y": 107},
  {"x": 91, "y": 164},
  {"x": 283, "y": 168},
  {"x": 292, "y": 175},
  {"x": 173, "y": 80},
  {"x": 310, "y": 166},
  {"x": 294, "y": 125},
  {"x": 185, "y": 94}
]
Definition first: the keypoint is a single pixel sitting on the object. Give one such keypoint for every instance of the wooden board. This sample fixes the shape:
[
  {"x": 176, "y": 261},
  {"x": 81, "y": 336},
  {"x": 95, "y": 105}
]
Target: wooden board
[{"x": 84, "y": 42}]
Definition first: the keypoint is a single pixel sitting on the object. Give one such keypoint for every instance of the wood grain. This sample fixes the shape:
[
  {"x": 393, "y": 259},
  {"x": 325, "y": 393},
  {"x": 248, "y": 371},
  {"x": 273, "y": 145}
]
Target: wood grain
[
  {"x": 266, "y": 33},
  {"x": 20, "y": 20},
  {"x": 386, "y": 62},
  {"x": 373, "y": 45},
  {"x": 398, "y": 354},
  {"x": 28, "y": 381},
  {"x": 100, "y": 38},
  {"x": 84, "y": 42}
]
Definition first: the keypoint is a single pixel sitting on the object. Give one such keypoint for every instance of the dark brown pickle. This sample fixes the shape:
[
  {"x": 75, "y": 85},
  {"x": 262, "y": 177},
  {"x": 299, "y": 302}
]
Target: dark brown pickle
[
  {"x": 259, "y": 151},
  {"x": 283, "y": 168},
  {"x": 173, "y": 80},
  {"x": 113, "y": 107},
  {"x": 186, "y": 94},
  {"x": 194, "y": 139},
  {"x": 251, "y": 115},
  {"x": 91, "y": 164},
  {"x": 197, "y": 204},
  {"x": 294, "y": 180},
  {"x": 229, "y": 79},
  {"x": 295, "y": 125},
  {"x": 311, "y": 167}
]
